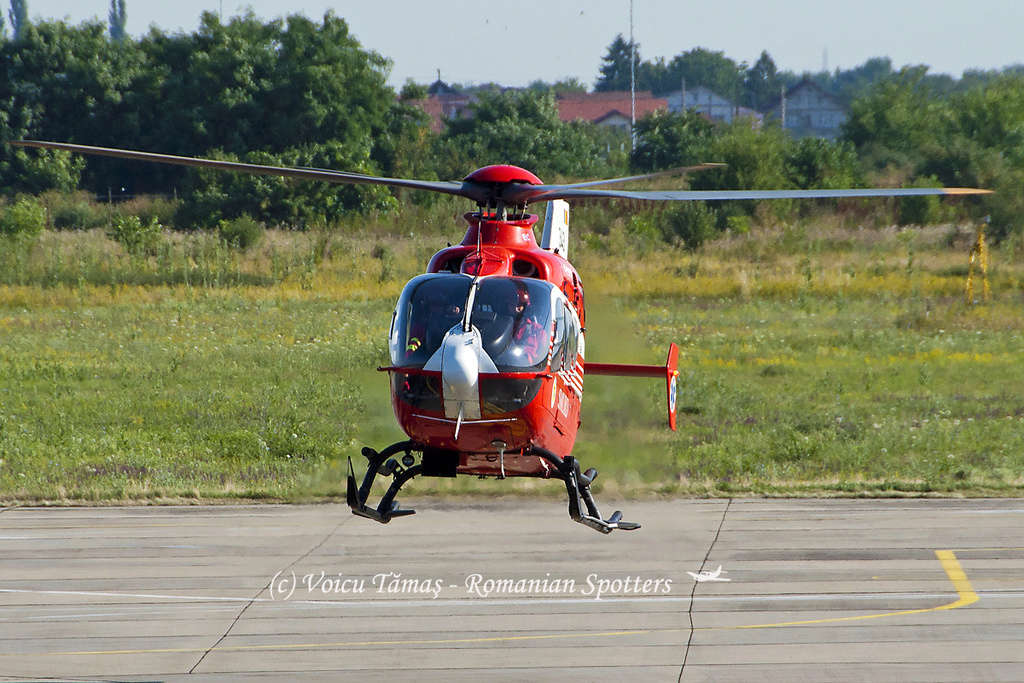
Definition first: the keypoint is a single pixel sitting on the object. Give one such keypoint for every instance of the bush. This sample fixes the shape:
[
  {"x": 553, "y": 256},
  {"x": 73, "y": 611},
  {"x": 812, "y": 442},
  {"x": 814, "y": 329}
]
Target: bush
[
  {"x": 925, "y": 210},
  {"x": 26, "y": 217},
  {"x": 243, "y": 232},
  {"x": 691, "y": 223},
  {"x": 74, "y": 211},
  {"x": 738, "y": 224},
  {"x": 77, "y": 217},
  {"x": 159, "y": 209},
  {"x": 136, "y": 237},
  {"x": 816, "y": 163},
  {"x": 665, "y": 140}
]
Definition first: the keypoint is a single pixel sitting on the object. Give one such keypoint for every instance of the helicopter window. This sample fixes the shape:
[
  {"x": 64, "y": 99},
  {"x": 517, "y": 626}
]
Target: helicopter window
[
  {"x": 513, "y": 316},
  {"x": 500, "y": 395},
  {"x": 430, "y": 305},
  {"x": 524, "y": 268},
  {"x": 572, "y": 336},
  {"x": 420, "y": 391},
  {"x": 558, "y": 347},
  {"x": 452, "y": 265},
  {"x": 514, "y": 320}
]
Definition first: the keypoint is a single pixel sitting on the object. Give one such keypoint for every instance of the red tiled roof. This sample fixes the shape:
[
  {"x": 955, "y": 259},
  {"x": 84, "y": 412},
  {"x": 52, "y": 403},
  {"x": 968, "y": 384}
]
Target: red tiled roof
[
  {"x": 597, "y": 106},
  {"x": 432, "y": 108},
  {"x": 441, "y": 108}
]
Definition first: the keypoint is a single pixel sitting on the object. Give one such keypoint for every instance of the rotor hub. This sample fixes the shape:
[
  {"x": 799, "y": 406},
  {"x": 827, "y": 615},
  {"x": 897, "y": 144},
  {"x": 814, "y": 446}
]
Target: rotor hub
[{"x": 503, "y": 173}]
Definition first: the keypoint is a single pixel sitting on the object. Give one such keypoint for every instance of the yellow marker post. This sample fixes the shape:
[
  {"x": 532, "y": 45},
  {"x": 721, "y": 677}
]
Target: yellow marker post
[{"x": 979, "y": 253}]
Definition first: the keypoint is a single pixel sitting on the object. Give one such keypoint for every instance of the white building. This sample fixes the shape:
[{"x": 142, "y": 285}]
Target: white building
[
  {"x": 808, "y": 111},
  {"x": 709, "y": 103}
]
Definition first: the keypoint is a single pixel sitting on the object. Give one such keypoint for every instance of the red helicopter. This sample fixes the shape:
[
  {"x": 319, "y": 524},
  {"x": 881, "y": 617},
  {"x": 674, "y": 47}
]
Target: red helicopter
[{"x": 487, "y": 347}]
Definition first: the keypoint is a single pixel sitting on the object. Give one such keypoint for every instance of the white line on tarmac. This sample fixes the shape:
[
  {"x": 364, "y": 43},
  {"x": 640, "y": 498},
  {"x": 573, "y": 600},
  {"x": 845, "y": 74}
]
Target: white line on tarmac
[
  {"x": 463, "y": 602},
  {"x": 23, "y": 538}
]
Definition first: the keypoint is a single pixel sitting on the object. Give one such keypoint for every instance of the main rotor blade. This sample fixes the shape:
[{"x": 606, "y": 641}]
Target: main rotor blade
[
  {"x": 722, "y": 195},
  {"x": 510, "y": 194},
  {"x": 459, "y": 188},
  {"x": 646, "y": 176}
]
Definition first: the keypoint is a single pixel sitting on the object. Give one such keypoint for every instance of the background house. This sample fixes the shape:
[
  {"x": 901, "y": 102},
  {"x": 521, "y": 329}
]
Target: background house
[
  {"x": 808, "y": 111},
  {"x": 607, "y": 108},
  {"x": 443, "y": 102},
  {"x": 709, "y": 103}
]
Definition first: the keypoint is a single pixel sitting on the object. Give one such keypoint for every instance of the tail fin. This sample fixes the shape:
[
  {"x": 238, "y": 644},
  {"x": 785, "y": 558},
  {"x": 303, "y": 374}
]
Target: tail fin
[
  {"x": 671, "y": 375},
  {"x": 556, "y": 228}
]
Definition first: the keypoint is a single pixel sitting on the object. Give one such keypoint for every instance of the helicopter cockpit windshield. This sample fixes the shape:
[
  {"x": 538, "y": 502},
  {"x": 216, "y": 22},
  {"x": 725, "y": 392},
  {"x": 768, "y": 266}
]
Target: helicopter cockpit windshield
[
  {"x": 513, "y": 316},
  {"x": 514, "y": 319}
]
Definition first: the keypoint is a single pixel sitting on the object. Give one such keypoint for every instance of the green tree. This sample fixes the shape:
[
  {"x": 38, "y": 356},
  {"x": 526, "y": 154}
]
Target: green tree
[
  {"x": 701, "y": 66},
  {"x": 292, "y": 91},
  {"x": 521, "y": 128},
  {"x": 983, "y": 146},
  {"x": 665, "y": 140},
  {"x": 220, "y": 80},
  {"x": 761, "y": 83},
  {"x": 248, "y": 85},
  {"x": 62, "y": 83},
  {"x": 412, "y": 90},
  {"x": 615, "y": 73},
  {"x": 754, "y": 159},
  {"x": 26, "y": 217},
  {"x": 816, "y": 163},
  {"x": 993, "y": 115},
  {"x": 216, "y": 196},
  {"x": 850, "y": 84},
  {"x": 895, "y": 121},
  {"x": 118, "y": 17},
  {"x": 403, "y": 146},
  {"x": 563, "y": 87}
]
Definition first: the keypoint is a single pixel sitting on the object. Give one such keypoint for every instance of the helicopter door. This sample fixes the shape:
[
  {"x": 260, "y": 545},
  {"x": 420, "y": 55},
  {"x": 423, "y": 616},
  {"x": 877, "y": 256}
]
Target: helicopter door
[
  {"x": 572, "y": 336},
  {"x": 569, "y": 369},
  {"x": 564, "y": 405},
  {"x": 558, "y": 347}
]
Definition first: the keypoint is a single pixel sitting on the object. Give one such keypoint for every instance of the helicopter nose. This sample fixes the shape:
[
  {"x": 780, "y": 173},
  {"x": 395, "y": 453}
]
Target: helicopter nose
[{"x": 462, "y": 360}]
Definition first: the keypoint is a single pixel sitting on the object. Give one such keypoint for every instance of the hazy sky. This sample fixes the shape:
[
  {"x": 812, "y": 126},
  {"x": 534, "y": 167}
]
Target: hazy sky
[{"x": 516, "y": 41}]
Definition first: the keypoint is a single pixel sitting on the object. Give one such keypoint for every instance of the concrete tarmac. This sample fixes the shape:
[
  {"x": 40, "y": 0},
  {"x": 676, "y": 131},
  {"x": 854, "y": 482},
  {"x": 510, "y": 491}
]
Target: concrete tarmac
[{"x": 815, "y": 590}]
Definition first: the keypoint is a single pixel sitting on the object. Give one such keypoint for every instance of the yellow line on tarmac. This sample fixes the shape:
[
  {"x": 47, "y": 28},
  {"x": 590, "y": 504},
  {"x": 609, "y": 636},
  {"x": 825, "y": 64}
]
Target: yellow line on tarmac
[
  {"x": 954, "y": 571},
  {"x": 947, "y": 558}
]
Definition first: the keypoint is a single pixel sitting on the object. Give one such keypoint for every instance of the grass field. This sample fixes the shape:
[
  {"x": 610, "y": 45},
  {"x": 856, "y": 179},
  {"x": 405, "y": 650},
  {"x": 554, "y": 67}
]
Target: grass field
[{"x": 819, "y": 358}]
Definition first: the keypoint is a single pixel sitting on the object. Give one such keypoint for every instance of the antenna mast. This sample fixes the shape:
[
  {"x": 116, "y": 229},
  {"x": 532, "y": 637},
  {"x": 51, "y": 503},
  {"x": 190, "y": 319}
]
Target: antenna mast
[{"x": 632, "y": 81}]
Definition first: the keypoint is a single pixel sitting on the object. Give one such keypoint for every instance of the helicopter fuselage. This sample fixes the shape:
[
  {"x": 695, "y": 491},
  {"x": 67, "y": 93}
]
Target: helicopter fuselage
[{"x": 506, "y": 401}]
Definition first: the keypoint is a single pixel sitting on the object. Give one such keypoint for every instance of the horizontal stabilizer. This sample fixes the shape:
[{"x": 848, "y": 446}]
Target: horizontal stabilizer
[{"x": 670, "y": 371}]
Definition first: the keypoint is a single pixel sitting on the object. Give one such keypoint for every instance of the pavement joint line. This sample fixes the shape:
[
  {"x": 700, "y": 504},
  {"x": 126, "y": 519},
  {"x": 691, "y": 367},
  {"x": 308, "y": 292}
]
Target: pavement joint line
[
  {"x": 693, "y": 590},
  {"x": 947, "y": 558},
  {"x": 267, "y": 586}
]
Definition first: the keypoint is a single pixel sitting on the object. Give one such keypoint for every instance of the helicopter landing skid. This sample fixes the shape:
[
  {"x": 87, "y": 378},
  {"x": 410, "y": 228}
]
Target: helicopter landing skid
[
  {"x": 382, "y": 463},
  {"x": 582, "y": 507},
  {"x": 577, "y": 485}
]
